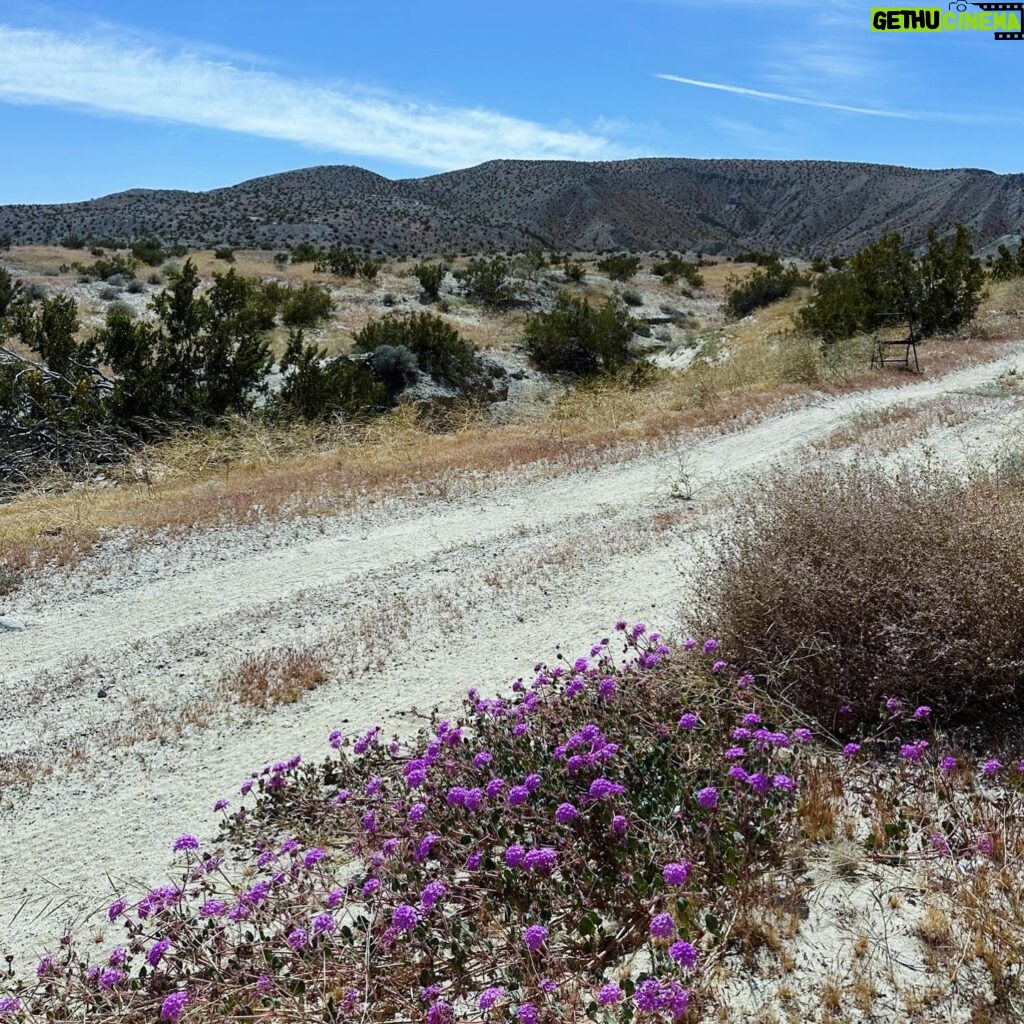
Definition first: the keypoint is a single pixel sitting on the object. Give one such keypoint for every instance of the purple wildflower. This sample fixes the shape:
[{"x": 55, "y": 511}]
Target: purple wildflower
[
  {"x": 689, "y": 721},
  {"x": 851, "y": 750},
  {"x": 683, "y": 953},
  {"x": 173, "y": 1006},
  {"x": 312, "y": 857},
  {"x": 676, "y": 873},
  {"x": 759, "y": 782},
  {"x": 609, "y": 995},
  {"x": 297, "y": 938},
  {"x": 324, "y": 922},
  {"x": 116, "y": 909},
  {"x": 600, "y": 788},
  {"x": 710, "y": 645},
  {"x": 518, "y": 795},
  {"x": 111, "y": 977},
  {"x": 527, "y": 1014},
  {"x": 157, "y": 951},
  {"x": 948, "y": 764},
  {"x": 483, "y": 758},
  {"x": 566, "y": 813},
  {"x": 490, "y": 996},
  {"x": 515, "y": 855},
  {"x": 783, "y": 782},
  {"x": 663, "y": 926},
  {"x": 803, "y": 735},
  {"x": 534, "y": 937},
  {"x": 404, "y": 918},
  {"x": 708, "y": 798},
  {"x": 543, "y": 861},
  {"x": 212, "y": 908},
  {"x": 991, "y": 767},
  {"x": 432, "y": 892},
  {"x": 185, "y": 842},
  {"x": 370, "y": 886}
]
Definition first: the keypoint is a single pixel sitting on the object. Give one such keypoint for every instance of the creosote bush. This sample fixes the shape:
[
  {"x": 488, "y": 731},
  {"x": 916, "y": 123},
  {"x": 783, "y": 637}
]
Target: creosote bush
[
  {"x": 577, "y": 339},
  {"x": 841, "y": 584}
]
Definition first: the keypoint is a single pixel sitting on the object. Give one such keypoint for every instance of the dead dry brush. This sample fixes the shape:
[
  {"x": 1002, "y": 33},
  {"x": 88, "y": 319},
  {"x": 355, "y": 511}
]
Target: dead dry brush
[{"x": 847, "y": 584}]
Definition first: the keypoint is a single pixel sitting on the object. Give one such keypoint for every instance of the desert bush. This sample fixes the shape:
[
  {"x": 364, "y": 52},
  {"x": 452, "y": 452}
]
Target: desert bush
[
  {"x": 574, "y": 271},
  {"x": 107, "y": 267},
  {"x": 578, "y": 339},
  {"x": 438, "y": 347},
  {"x": 395, "y": 366},
  {"x": 768, "y": 284},
  {"x": 155, "y": 278},
  {"x": 136, "y": 287},
  {"x": 148, "y": 251},
  {"x": 941, "y": 291},
  {"x": 369, "y": 269},
  {"x": 318, "y": 388},
  {"x": 674, "y": 266},
  {"x": 1008, "y": 265},
  {"x": 619, "y": 267},
  {"x": 305, "y": 305},
  {"x": 430, "y": 277},
  {"x": 341, "y": 262},
  {"x": 489, "y": 281},
  {"x": 631, "y": 297},
  {"x": 843, "y": 585},
  {"x": 225, "y": 252},
  {"x": 10, "y": 290}
]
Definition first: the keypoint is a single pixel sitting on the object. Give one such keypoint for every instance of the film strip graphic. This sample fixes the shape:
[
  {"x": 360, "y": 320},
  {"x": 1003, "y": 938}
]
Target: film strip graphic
[{"x": 1018, "y": 8}]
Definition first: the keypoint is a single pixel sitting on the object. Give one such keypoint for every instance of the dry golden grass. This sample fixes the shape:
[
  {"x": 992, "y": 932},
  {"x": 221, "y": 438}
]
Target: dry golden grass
[
  {"x": 276, "y": 677},
  {"x": 248, "y": 470}
]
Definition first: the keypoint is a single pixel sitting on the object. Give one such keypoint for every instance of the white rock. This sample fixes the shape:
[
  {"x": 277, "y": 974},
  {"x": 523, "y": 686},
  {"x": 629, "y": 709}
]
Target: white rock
[{"x": 10, "y": 622}]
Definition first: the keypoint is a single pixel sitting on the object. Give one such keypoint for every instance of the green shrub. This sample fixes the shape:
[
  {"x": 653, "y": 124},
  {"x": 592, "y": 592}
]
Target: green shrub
[
  {"x": 317, "y": 388},
  {"x": 620, "y": 267},
  {"x": 439, "y": 349},
  {"x": 489, "y": 281},
  {"x": 574, "y": 271},
  {"x": 577, "y": 339},
  {"x": 846, "y": 585},
  {"x": 10, "y": 291},
  {"x": 224, "y": 253},
  {"x": 148, "y": 251},
  {"x": 674, "y": 266},
  {"x": 631, "y": 297},
  {"x": 764, "y": 286},
  {"x": 430, "y": 277},
  {"x": 304, "y": 252},
  {"x": 395, "y": 366},
  {"x": 305, "y": 306},
  {"x": 104, "y": 268},
  {"x": 340, "y": 262},
  {"x": 941, "y": 291}
]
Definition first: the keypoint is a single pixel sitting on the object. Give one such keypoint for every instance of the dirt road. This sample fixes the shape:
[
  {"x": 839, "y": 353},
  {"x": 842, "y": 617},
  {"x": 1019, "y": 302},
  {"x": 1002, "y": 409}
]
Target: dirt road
[{"x": 415, "y": 603}]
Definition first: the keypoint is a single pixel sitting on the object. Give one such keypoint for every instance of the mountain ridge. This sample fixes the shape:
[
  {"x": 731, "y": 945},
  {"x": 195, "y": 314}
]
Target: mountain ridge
[{"x": 799, "y": 207}]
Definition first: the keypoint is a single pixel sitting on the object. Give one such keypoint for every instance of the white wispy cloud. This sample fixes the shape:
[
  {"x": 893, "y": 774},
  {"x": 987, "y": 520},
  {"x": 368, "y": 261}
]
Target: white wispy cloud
[
  {"x": 779, "y": 97},
  {"x": 137, "y": 80}
]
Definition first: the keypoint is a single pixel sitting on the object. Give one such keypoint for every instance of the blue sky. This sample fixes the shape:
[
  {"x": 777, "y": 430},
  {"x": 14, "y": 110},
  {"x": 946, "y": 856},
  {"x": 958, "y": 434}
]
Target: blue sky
[{"x": 103, "y": 96}]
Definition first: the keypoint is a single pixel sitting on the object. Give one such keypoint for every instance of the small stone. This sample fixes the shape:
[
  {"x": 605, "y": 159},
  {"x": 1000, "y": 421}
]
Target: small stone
[{"x": 11, "y": 623}]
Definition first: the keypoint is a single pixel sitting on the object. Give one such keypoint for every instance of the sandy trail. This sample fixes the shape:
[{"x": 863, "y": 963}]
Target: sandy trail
[{"x": 419, "y": 602}]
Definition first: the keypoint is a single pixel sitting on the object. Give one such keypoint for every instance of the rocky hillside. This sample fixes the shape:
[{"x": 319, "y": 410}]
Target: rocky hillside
[{"x": 800, "y": 207}]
